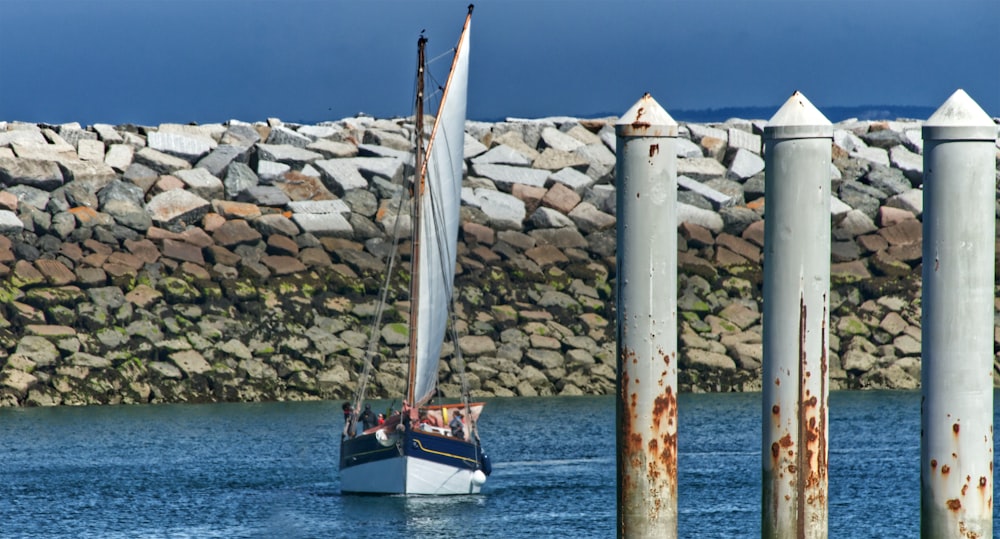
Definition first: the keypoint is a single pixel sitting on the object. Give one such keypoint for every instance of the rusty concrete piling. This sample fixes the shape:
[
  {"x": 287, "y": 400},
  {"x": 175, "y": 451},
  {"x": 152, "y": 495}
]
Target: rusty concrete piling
[
  {"x": 647, "y": 322},
  {"x": 798, "y": 154},
  {"x": 956, "y": 445}
]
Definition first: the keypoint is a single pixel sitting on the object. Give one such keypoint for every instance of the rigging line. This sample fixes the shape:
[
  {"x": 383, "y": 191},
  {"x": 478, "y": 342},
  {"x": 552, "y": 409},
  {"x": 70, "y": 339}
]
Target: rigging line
[
  {"x": 359, "y": 395},
  {"x": 442, "y": 55},
  {"x": 373, "y": 338},
  {"x": 433, "y": 95}
]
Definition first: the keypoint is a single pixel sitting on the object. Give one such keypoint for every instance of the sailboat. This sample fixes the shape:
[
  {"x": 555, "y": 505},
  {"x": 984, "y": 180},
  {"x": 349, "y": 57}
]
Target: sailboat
[{"x": 425, "y": 449}]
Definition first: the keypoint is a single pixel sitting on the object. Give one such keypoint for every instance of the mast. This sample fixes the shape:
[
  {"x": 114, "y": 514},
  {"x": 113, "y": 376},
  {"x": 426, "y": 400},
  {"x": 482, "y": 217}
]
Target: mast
[
  {"x": 431, "y": 166},
  {"x": 417, "y": 192}
]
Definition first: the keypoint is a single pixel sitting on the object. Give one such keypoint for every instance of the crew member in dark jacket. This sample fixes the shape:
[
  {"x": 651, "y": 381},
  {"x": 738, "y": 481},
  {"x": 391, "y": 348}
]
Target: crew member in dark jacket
[{"x": 368, "y": 417}]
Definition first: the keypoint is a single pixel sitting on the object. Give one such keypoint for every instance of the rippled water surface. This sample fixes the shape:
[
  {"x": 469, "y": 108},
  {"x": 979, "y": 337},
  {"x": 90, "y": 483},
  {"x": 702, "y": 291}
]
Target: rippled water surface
[{"x": 270, "y": 470}]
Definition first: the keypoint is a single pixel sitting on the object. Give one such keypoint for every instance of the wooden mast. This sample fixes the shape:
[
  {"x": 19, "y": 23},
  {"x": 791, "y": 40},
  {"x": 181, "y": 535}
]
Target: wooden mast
[{"x": 417, "y": 187}]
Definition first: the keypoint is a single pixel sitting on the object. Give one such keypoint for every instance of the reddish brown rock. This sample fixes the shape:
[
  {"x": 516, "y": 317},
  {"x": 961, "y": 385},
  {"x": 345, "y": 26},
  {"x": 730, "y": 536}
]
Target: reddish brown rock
[
  {"x": 888, "y": 265},
  {"x": 908, "y": 252},
  {"x": 872, "y": 243},
  {"x": 855, "y": 270},
  {"x": 94, "y": 260},
  {"x": 337, "y": 244},
  {"x": 212, "y": 221},
  {"x": 195, "y": 270},
  {"x": 282, "y": 265},
  {"x": 315, "y": 257},
  {"x": 485, "y": 255},
  {"x": 197, "y": 237},
  {"x": 6, "y": 254},
  {"x": 26, "y": 314},
  {"x": 143, "y": 296},
  {"x": 125, "y": 259},
  {"x": 472, "y": 265},
  {"x": 167, "y": 183},
  {"x": 696, "y": 236},
  {"x": 97, "y": 247},
  {"x": 907, "y": 231},
  {"x": 144, "y": 250},
  {"x": 218, "y": 254},
  {"x": 48, "y": 330},
  {"x": 183, "y": 251},
  {"x": 71, "y": 251},
  {"x": 755, "y": 233},
  {"x": 739, "y": 246},
  {"x": 282, "y": 245},
  {"x": 8, "y": 201},
  {"x": 88, "y": 217},
  {"x": 27, "y": 274},
  {"x": 55, "y": 272},
  {"x": 560, "y": 198},
  {"x": 119, "y": 272},
  {"x": 298, "y": 186},
  {"x": 234, "y": 233},
  {"x": 713, "y": 147},
  {"x": 691, "y": 264},
  {"x": 155, "y": 233},
  {"x": 546, "y": 255},
  {"x": 530, "y": 195},
  {"x": 888, "y": 216},
  {"x": 725, "y": 258},
  {"x": 236, "y": 210},
  {"x": 481, "y": 234}
]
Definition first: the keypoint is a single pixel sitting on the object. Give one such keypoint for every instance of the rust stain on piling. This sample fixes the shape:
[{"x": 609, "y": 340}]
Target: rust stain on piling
[
  {"x": 653, "y": 150},
  {"x": 954, "y": 504},
  {"x": 665, "y": 424},
  {"x": 638, "y": 124}
]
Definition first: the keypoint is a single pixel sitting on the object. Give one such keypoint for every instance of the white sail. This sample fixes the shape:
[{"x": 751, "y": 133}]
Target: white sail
[{"x": 439, "y": 226}]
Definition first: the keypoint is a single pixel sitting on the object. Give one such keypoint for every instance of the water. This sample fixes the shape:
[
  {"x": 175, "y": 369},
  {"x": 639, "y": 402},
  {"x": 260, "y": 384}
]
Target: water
[{"x": 270, "y": 470}]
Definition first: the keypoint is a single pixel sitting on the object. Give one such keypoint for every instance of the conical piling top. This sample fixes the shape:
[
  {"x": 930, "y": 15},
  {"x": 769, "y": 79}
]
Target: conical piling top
[
  {"x": 960, "y": 118},
  {"x": 646, "y": 118},
  {"x": 798, "y": 118}
]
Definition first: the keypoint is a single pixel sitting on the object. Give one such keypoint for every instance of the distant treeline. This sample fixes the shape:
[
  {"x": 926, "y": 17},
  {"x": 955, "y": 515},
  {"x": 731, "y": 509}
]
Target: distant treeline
[{"x": 834, "y": 114}]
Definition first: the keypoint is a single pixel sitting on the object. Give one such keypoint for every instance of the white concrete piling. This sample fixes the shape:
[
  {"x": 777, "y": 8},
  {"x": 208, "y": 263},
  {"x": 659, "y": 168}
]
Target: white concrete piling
[
  {"x": 956, "y": 449},
  {"x": 798, "y": 152},
  {"x": 647, "y": 322}
]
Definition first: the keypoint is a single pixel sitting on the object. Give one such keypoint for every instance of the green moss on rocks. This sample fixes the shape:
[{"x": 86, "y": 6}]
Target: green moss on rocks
[{"x": 176, "y": 290}]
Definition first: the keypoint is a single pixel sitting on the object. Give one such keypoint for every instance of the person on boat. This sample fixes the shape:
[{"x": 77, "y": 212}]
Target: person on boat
[
  {"x": 456, "y": 425},
  {"x": 381, "y": 419},
  {"x": 368, "y": 417},
  {"x": 348, "y": 414}
]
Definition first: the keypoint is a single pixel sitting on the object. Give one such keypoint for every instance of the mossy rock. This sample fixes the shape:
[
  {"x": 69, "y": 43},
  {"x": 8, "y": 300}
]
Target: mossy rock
[
  {"x": 10, "y": 293},
  {"x": 61, "y": 314},
  {"x": 45, "y": 298},
  {"x": 240, "y": 289},
  {"x": 177, "y": 290},
  {"x": 877, "y": 287}
]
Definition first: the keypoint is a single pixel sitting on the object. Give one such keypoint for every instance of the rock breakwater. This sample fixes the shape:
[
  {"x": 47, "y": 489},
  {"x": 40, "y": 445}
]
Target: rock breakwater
[{"x": 241, "y": 262}]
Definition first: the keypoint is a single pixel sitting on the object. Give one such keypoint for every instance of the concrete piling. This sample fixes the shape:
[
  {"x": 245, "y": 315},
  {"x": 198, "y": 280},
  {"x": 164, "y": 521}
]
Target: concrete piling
[
  {"x": 956, "y": 449},
  {"x": 798, "y": 153},
  {"x": 647, "y": 322}
]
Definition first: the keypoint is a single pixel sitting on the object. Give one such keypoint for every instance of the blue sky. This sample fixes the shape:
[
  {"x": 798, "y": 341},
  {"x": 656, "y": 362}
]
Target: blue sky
[{"x": 152, "y": 61}]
